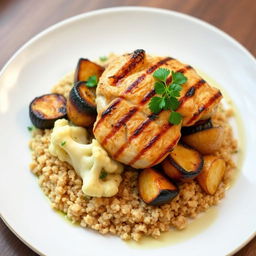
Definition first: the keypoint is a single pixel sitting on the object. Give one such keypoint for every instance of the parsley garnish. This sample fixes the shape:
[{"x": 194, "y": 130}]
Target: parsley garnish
[
  {"x": 169, "y": 93},
  {"x": 92, "y": 81},
  {"x": 103, "y": 58},
  {"x": 63, "y": 143},
  {"x": 30, "y": 128},
  {"x": 103, "y": 175}
]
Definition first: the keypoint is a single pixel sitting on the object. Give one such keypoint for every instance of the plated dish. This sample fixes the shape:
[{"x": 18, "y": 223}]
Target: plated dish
[
  {"x": 132, "y": 145},
  {"x": 43, "y": 62}
]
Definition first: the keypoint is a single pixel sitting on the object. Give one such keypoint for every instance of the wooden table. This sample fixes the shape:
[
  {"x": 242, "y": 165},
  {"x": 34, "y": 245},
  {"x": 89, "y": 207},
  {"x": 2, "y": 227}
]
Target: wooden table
[{"x": 22, "y": 19}]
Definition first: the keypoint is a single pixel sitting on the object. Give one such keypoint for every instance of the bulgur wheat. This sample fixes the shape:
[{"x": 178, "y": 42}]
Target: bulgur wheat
[{"x": 125, "y": 214}]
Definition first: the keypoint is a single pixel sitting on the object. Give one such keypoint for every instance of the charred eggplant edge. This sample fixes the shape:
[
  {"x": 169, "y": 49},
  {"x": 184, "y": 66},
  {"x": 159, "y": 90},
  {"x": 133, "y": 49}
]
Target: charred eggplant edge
[
  {"x": 39, "y": 120},
  {"x": 185, "y": 174},
  {"x": 79, "y": 102}
]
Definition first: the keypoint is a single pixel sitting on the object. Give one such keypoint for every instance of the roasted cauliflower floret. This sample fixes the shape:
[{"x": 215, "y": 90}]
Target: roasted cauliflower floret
[{"x": 100, "y": 174}]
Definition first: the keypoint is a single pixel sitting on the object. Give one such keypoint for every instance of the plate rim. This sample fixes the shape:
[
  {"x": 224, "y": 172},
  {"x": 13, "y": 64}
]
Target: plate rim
[{"x": 103, "y": 11}]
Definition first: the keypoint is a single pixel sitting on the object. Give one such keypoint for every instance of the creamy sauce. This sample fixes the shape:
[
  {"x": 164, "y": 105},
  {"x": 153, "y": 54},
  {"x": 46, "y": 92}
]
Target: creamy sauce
[
  {"x": 172, "y": 237},
  {"x": 206, "y": 219}
]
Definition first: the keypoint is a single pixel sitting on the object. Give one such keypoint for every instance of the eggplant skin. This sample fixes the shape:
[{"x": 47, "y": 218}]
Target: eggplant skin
[
  {"x": 86, "y": 68},
  {"x": 79, "y": 118},
  {"x": 154, "y": 188},
  {"x": 81, "y": 106},
  {"x": 197, "y": 127},
  {"x": 46, "y": 109},
  {"x": 206, "y": 141},
  {"x": 175, "y": 170},
  {"x": 164, "y": 197},
  {"x": 84, "y": 105}
]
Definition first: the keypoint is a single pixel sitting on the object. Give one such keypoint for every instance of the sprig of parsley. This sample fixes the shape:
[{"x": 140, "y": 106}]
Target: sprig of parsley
[
  {"x": 63, "y": 143},
  {"x": 92, "y": 81},
  {"x": 169, "y": 93}
]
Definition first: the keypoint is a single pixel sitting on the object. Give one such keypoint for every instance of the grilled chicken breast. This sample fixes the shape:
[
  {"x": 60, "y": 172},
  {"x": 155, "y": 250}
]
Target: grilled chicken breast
[{"x": 126, "y": 127}]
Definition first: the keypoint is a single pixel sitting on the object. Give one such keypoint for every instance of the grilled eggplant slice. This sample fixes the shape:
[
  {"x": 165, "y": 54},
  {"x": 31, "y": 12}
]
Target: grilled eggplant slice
[
  {"x": 46, "y": 109},
  {"x": 154, "y": 188},
  {"x": 81, "y": 106},
  {"x": 199, "y": 126},
  {"x": 183, "y": 163},
  {"x": 86, "y": 68},
  {"x": 212, "y": 174},
  {"x": 206, "y": 141}
]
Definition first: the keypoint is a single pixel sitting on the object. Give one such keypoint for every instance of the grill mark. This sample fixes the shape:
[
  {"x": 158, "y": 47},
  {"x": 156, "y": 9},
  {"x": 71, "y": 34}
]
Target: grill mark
[
  {"x": 205, "y": 106},
  {"x": 151, "y": 143},
  {"x": 147, "y": 97},
  {"x": 149, "y": 71},
  {"x": 137, "y": 57},
  {"x": 119, "y": 124},
  {"x": 191, "y": 91},
  {"x": 106, "y": 112},
  {"x": 135, "y": 134},
  {"x": 168, "y": 149},
  {"x": 182, "y": 70},
  {"x": 151, "y": 93},
  {"x": 188, "y": 94},
  {"x": 143, "y": 125}
]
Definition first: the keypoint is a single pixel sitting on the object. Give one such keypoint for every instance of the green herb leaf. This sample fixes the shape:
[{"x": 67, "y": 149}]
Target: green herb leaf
[
  {"x": 175, "y": 118},
  {"x": 171, "y": 103},
  {"x": 63, "y": 143},
  {"x": 174, "y": 103},
  {"x": 103, "y": 175},
  {"x": 161, "y": 74},
  {"x": 92, "y": 81},
  {"x": 174, "y": 90},
  {"x": 162, "y": 103},
  {"x": 103, "y": 58},
  {"x": 30, "y": 128},
  {"x": 169, "y": 93},
  {"x": 159, "y": 87},
  {"x": 167, "y": 104},
  {"x": 155, "y": 104},
  {"x": 178, "y": 78}
]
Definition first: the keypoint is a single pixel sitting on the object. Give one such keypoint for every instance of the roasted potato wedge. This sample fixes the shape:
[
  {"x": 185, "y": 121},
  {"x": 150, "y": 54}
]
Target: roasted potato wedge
[
  {"x": 81, "y": 106},
  {"x": 183, "y": 163},
  {"x": 46, "y": 109},
  {"x": 154, "y": 188},
  {"x": 205, "y": 141},
  {"x": 212, "y": 174},
  {"x": 86, "y": 68}
]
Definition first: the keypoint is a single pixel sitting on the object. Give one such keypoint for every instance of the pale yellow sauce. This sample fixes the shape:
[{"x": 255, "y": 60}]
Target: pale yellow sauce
[
  {"x": 65, "y": 217},
  {"x": 174, "y": 236},
  {"x": 204, "y": 220}
]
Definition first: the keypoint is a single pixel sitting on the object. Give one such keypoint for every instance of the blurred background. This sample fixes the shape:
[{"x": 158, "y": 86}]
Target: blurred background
[{"x": 22, "y": 19}]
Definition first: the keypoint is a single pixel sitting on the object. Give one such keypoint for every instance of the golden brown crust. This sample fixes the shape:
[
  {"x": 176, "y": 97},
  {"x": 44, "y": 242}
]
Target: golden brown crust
[{"x": 143, "y": 140}]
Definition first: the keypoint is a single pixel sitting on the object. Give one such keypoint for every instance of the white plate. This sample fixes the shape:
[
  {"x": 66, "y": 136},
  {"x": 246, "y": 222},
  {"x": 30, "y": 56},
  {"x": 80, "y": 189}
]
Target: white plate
[{"x": 50, "y": 55}]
